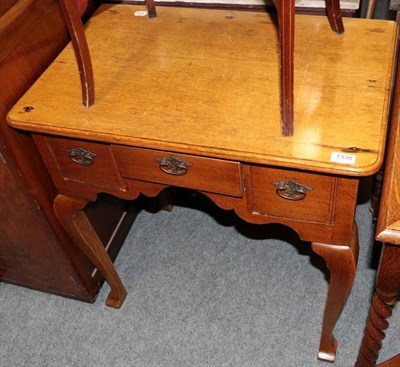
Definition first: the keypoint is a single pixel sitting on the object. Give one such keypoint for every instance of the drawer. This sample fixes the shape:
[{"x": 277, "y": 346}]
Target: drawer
[
  {"x": 204, "y": 174},
  {"x": 85, "y": 162},
  {"x": 293, "y": 194}
]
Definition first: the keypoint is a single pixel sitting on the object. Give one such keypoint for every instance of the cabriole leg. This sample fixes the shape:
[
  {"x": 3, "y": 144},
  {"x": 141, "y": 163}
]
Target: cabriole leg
[
  {"x": 341, "y": 261},
  {"x": 71, "y": 215}
]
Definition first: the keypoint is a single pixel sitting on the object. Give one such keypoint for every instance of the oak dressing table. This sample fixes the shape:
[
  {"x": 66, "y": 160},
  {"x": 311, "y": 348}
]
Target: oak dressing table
[{"x": 191, "y": 99}]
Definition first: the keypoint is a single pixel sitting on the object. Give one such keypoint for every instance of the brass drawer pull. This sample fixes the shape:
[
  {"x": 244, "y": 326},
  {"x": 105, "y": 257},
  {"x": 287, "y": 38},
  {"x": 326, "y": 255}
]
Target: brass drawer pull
[
  {"x": 81, "y": 156},
  {"x": 173, "y": 165},
  {"x": 291, "y": 190}
]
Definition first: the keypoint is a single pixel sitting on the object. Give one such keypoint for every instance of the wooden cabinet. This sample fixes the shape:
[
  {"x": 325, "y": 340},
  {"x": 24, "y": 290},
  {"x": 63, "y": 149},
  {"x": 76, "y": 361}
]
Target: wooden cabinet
[{"x": 34, "y": 249}]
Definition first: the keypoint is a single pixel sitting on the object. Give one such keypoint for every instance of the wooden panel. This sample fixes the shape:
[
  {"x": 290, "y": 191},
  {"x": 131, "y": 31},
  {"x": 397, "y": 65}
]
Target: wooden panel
[
  {"x": 6, "y": 5},
  {"x": 205, "y": 174},
  {"x": 19, "y": 20},
  {"x": 25, "y": 237},
  {"x": 318, "y": 203}
]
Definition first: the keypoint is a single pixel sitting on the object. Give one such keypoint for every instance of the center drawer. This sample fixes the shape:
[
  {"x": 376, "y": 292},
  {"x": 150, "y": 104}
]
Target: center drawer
[{"x": 199, "y": 173}]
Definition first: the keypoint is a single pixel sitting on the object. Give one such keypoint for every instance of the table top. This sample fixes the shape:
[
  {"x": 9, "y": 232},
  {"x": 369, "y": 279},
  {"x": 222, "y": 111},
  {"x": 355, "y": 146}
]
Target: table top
[{"x": 206, "y": 82}]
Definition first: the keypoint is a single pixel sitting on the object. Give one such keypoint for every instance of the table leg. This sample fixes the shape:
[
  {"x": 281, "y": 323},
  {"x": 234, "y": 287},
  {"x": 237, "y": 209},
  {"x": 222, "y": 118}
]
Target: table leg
[
  {"x": 73, "y": 218},
  {"x": 342, "y": 264},
  {"x": 386, "y": 292}
]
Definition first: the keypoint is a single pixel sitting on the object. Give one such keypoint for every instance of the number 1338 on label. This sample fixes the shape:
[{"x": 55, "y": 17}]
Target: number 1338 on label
[{"x": 343, "y": 158}]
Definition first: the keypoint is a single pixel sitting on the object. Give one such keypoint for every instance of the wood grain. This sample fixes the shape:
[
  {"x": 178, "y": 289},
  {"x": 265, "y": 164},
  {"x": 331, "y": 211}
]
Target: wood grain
[
  {"x": 218, "y": 71},
  {"x": 23, "y": 16}
]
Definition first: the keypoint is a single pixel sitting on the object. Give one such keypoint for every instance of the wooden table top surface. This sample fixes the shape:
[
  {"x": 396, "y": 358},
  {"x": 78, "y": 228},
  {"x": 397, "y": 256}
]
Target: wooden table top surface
[{"x": 206, "y": 82}]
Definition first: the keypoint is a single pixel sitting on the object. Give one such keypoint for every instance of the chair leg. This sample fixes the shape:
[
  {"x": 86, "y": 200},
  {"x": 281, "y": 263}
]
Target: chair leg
[
  {"x": 151, "y": 9},
  {"x": 334, "y": 16},
  {"x": 81, "y": 50},
  {"x": 370, "y": 9},
  {"x": 286, "y": 11},
  {"x": 286, "y": 14}
]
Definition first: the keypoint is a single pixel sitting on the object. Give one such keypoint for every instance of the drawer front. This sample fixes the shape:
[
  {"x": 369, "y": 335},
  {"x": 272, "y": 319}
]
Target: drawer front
[
  {"x": 86, "y": 162},
  {"x": 293, "y": 194},
  {"x": 204, "y": 174}
]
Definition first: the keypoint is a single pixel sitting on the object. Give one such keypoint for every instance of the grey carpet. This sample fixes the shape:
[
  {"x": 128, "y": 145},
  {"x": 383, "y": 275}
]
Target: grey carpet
[{"x": 205, "y": 289}]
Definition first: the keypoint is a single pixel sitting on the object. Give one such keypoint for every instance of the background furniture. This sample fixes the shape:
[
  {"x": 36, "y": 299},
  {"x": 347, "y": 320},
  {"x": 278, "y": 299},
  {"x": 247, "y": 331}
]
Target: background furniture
[
  {"x": 34, "y": 249},
  {"x": 387, "y": 287},
  {"x": 194, "y": 134},
  {"x": 395, "y": 6}
]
